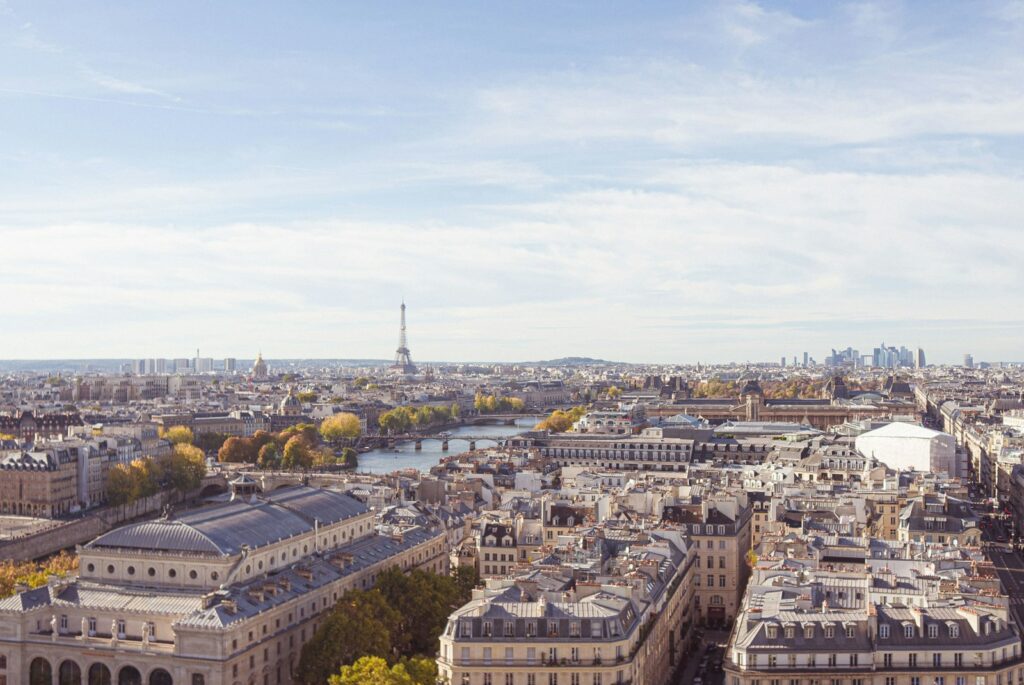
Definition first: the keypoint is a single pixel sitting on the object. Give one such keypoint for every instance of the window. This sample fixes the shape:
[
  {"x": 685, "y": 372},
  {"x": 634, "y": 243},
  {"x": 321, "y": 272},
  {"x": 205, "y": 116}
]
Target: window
[
  {"x": 853, "y": 659},
  {"x": 912, "y": 660},
  {"x": 887, "y": 661},
  {"x": 832, "y": 660},
  {"x": 937, "y": 660},
  {"x": 954, "y": 630},
  {"x": 809, "y": 632},
  {"x": 198, "y": 679},
  {"x": 830, "y": 632},
  {"x": 790, "y": 631},
  {"x": 933, "y": 630},
  {"x": 849, "y": 631},
  {"x": 908, "y": 630},
  {"x": 883, "y": 631}
]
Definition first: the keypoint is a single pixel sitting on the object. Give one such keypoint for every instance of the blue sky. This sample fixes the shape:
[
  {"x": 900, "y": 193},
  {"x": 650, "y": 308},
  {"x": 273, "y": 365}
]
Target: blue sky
[{"x": 644, "y": 182}]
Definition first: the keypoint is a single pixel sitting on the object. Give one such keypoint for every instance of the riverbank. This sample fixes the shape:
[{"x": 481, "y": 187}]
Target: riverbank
[{"x": 404, "y": 455}]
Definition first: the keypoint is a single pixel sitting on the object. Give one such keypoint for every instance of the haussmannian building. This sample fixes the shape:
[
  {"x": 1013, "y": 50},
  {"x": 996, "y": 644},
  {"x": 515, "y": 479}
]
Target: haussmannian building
[
  {"x": 223, "y": 595},
  {"x": 803, "y": 627},
  {"x": 630, "y": 624}
]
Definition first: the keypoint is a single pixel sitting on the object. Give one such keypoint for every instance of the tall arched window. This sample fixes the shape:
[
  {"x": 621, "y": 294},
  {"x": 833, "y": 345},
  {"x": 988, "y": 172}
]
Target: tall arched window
[
  {"x": 160, "y": 677},
  {"x": 69, "y": 673},
  {"x": 99, "y": 674},
  {"x": 129, "y": 675},
  {"x": 40, "y": 672}
]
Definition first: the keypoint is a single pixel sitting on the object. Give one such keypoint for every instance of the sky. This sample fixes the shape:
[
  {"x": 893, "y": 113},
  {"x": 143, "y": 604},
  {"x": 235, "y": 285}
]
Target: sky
[{"x": 647, "y": 182}]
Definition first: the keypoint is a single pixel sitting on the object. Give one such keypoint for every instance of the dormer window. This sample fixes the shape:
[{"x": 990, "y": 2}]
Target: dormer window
[
  {"x": 790, "y": 632},
  {"x": 908, "y": 630},
  {"x": 954, "y": 630},
  {"x": 849, "y": 631},
  {"x": 933, "y": 631},
  {"x": 883, "y": 631},
  {"x": 772, "y": 632},
  {"x": 830, "y": 632},
  {"x": 809, "y": 632}
]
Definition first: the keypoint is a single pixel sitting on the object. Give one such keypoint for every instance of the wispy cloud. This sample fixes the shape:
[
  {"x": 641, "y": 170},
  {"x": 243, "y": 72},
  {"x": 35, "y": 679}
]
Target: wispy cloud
[{"x": 117, "y": 85}]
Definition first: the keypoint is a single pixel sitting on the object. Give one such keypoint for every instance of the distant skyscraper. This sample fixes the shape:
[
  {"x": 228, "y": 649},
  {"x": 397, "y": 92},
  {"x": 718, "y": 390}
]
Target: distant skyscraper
[
  {"x": 161, "y": 366},
  {"x": 230, "y": 364},
  {"x": 806, "y": 357},
  {"x": 403, "y": 360},
  {"x": 139, "y": 367},
  {"x": 782, "y": 362},
  {"x": 919, "y": 361},
  {"x": 181, "y": 365},
  {"x": 968, "y": 361}
]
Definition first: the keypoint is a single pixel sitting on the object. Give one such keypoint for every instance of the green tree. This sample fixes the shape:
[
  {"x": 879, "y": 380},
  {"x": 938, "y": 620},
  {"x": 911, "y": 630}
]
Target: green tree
[
  {"x": 269, "y": 456},
  {"x": 210, "y": 442},
  {"x": 423, "y": 601},
  {"x": 306, "y": 396},
  {"x": 340, "y": 428},
  {"x": 614, "y": 393},
  {"x": 186, "y": 468},
  {"x": 146, "y": 476},
  {"x": 350, "y": 458},
  {"x": 360, "y": 624},
  {"x": 120, "y": 485},
  {"x": 372, "y": 670},
  {"x": 179, "y": 434}
]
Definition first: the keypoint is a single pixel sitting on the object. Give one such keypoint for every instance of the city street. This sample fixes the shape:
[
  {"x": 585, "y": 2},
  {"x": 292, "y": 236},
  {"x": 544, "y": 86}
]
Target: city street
[
  {"x": 1010, "y": 566},
  {"x": 705, "y": 663}
]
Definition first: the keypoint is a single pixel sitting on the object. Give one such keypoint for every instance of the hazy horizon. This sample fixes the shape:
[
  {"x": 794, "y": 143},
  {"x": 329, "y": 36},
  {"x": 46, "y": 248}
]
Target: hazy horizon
[{"x": 712, "y": 182}]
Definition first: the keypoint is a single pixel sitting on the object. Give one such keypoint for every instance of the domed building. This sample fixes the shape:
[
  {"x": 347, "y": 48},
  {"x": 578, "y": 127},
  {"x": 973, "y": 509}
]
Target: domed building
[
  {"x": 259, "y": 368},
  {"x": 290, "y": 405}
]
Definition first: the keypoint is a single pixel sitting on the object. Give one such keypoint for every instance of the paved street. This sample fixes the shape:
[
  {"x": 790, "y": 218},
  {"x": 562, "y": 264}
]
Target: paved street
[
  {"x": 702, "y": 663},
  {"x": 1010, "y": 567}
]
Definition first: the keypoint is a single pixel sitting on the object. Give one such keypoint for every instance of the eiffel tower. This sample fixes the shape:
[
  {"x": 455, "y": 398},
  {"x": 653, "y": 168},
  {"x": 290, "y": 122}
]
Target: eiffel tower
[{"x": 403, "y": 360}]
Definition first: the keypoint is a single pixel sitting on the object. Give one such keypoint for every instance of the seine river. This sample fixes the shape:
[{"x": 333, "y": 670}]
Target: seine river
[{"x": 387, "y": 460}]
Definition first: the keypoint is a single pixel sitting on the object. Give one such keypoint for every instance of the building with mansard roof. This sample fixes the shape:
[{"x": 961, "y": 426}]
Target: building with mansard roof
[{"x": 223, "y": 595}]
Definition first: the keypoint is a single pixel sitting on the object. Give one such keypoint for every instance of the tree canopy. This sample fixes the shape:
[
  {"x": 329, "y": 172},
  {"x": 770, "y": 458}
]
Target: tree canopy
[
  {"x": 497, "y": 404},
  {"x": 402, "y": 419},
  {"x": 179, "y": 434},
  {"x": 398, "y": 620},
  {"x": 186, "y": 467},
  {"x": 340, "y": 428},
  {"x": 373, "y": 670},
  {"x": 560, "y": 421}
]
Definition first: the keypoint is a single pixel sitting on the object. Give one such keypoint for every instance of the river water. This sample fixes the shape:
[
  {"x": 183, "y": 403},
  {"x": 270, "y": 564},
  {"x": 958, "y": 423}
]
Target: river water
[{"x": 383, "y": 460}]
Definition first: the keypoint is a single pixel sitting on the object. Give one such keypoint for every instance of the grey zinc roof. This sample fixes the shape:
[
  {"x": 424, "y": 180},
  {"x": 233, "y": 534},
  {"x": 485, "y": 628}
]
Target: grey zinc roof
[{"x": 223, "y": 528}]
